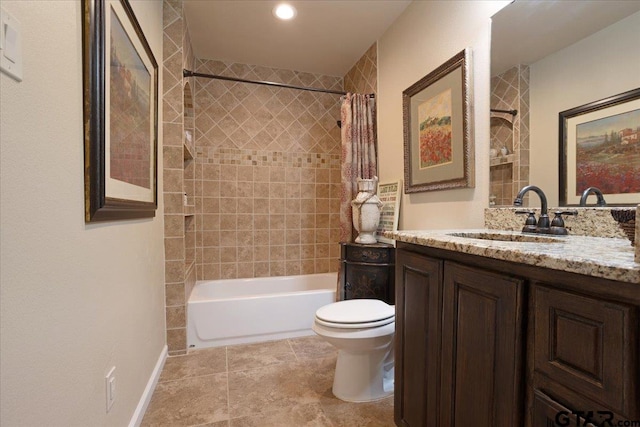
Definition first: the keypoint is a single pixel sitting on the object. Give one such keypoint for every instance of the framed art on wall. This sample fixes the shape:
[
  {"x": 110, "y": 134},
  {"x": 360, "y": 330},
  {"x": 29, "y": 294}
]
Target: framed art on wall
[
  {"x": 120, "y": 83},
  {"x": 600, "y": 147},
  {"x": 438, "y": 142}
]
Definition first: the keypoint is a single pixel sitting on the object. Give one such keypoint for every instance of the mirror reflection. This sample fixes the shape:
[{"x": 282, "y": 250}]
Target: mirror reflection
[{"x": 548, "y": 57}]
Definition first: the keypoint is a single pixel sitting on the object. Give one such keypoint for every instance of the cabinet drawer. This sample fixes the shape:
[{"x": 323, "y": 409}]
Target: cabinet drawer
[
  {"x": 547, "y": 412},
  {"x": 587, "y": 345},
  {"x": 371, "y": 254}
]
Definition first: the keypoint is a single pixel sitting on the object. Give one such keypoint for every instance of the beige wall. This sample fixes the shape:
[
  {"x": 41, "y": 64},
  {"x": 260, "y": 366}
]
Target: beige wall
[
  {"x": 606, "y": 63},
  {"x": 426, "y": 35},
  {"x": 76, "y": 299}
]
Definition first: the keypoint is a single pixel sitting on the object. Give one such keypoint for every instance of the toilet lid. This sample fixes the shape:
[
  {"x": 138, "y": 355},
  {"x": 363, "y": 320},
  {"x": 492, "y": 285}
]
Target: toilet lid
[{"x": 356, "y": 311}]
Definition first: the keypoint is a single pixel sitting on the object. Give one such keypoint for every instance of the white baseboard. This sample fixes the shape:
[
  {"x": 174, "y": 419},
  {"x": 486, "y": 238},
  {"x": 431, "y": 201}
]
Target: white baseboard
[{"x": 136, "y": 420}]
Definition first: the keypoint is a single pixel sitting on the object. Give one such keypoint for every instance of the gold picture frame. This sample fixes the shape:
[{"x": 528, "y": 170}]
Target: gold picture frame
[{"x": 437, "y": 118}]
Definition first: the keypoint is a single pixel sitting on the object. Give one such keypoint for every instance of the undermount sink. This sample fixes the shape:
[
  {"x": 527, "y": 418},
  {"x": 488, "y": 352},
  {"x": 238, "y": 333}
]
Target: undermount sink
[{"x": 528, "y": 238}]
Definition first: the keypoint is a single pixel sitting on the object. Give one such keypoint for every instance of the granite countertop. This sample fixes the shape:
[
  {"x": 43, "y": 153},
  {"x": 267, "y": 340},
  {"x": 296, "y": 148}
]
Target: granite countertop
[{"x": 609, "y": 258}]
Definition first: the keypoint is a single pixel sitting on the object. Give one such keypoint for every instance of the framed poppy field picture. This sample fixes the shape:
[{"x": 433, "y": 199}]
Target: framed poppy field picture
[{"x": 438, "y": 143}]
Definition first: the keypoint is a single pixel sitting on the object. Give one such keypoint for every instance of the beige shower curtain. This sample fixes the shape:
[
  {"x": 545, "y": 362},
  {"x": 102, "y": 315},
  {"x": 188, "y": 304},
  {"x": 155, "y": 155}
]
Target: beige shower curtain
[{"x": 359, "y": 158}]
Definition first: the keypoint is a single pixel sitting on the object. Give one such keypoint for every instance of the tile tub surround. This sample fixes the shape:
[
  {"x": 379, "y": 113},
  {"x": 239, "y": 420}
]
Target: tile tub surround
[
  {"x": 590, "y": 221},
  {"x": 267, "y": 178},
  {"x": 277, "y": 383},
  {"x": 609, "y": 258}
]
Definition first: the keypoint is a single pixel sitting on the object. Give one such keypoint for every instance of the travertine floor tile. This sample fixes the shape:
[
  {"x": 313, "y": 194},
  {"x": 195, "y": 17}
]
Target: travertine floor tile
[
  {"x": 216, "y": 424},
  {"x": 274, "y": 387},
  {"x": 196, "y": 363},
  {"x": 310, "y": 415},
  {"x": 312, "y": 347},
  {"x": 188, "y": 402},
  {"x": 281, "y": 384},
  {"x": 250, "y": 356},
  {"x": 371, "y": 414},
  {"x": 316, "y": 375}
]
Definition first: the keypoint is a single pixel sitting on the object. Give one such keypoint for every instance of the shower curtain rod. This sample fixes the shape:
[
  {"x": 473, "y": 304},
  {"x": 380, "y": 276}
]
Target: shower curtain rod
[
  {"x": 512, "y": 112},
  {"x": 187, "y": 73}
]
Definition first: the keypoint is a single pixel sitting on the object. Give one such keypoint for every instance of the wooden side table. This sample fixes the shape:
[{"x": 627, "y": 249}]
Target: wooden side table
[{"x": 368, "y": 271}]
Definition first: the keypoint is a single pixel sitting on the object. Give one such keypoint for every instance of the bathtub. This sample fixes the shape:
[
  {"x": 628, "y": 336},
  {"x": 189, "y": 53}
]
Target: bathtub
[{"x": 240, "y": 311}]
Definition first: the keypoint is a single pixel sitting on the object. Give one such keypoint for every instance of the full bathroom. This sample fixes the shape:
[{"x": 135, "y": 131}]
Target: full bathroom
[{"x": 245, "y": 298}]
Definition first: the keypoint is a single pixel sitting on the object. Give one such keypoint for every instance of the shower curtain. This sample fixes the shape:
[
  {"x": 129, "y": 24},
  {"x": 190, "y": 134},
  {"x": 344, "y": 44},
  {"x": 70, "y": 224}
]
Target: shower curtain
[{"x": 359, "y": 158}]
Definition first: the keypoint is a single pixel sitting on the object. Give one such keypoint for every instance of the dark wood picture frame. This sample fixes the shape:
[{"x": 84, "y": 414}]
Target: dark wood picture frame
[
  {"x": 568, "y": 121},
  {"x": 456, "y": 169},
  {"x": 108, "y": 198}
]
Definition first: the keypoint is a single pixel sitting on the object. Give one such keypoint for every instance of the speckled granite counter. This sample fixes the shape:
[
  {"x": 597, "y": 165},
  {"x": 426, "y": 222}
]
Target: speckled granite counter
[{"x": 609, "y": 258}]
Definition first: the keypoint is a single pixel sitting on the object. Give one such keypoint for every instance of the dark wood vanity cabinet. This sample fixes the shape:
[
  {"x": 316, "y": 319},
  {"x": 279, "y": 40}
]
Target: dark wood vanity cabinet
[
  {"x": 458, "y": 344},
  {"x": 485, "y": 342},
  {"x": 368, "y": 271},
  {"x": 482, "y": 332},
  {"x": 585, "y": 354},
  {"x": 418, "y": 324}
]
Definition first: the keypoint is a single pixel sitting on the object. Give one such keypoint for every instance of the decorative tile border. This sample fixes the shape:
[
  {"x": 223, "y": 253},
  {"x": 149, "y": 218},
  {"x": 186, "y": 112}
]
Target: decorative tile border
[{"x": 230, "y": 156}]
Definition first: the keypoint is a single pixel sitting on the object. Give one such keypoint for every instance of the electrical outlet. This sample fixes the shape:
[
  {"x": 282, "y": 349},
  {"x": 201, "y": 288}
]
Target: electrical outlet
[{"x": 110, "y": 384}]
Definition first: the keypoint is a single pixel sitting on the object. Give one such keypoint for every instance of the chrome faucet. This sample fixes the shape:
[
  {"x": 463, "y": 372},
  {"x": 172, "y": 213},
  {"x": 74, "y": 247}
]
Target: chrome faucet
[
  {"x": 543, "y": 224},
  {"x": 597, "y": 192}
]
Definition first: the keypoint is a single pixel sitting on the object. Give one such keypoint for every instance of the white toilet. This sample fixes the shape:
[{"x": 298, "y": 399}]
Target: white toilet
[{"x": 362, "y": 330}]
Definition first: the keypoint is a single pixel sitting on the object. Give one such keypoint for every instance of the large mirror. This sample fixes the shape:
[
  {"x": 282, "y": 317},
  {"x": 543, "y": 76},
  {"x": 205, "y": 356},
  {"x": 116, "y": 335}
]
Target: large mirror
[{"x": 548, "y": 57}]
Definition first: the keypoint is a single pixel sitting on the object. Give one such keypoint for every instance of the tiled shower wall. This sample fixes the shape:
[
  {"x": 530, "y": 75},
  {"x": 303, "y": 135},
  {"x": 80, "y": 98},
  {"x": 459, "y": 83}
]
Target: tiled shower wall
[
  {"x": 363, "y": 76},
  {"x": 172, "y": 105},
  {"x": 510, "y": 90},
  {"x": 267, "y": 173},
  {"x": 178, "y": 172}
]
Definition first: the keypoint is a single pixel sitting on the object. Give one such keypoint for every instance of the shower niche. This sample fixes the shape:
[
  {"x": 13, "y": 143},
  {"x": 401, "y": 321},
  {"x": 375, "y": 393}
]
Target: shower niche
[
  {"x": 509, "y": 135},
  {"x": 188, "y": 150}
]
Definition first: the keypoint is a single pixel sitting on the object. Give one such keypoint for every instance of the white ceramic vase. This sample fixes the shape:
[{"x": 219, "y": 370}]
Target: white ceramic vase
[{"x": 366, "y": 211}]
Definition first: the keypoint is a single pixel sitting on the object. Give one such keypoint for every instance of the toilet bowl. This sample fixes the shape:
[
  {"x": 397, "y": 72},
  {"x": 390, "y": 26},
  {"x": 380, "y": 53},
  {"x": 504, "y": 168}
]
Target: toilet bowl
[{"x": 362, "y": 330}]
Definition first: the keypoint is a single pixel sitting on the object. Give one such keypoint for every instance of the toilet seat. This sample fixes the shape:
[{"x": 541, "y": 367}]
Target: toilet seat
[
  {"x": 356, "y": 325},
  {"x": 356, "y": 314}
]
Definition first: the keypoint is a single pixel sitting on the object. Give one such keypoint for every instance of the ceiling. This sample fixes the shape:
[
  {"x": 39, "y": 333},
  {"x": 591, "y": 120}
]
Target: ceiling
[{"x": 326, "y": 37}]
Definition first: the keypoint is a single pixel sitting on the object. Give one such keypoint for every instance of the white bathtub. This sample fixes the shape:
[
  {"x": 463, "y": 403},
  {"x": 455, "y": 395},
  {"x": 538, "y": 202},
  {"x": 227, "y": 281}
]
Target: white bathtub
[{"x": 239, "y": 311}]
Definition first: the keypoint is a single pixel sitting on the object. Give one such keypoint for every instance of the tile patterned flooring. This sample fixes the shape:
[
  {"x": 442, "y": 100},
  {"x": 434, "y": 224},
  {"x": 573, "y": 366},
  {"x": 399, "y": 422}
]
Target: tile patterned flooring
[{"x": 278, "y": 383}]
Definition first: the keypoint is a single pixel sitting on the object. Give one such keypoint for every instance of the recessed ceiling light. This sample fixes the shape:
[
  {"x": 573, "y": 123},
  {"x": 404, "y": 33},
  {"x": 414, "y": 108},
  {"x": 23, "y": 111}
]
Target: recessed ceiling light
[{"x": 284, "y": 11}]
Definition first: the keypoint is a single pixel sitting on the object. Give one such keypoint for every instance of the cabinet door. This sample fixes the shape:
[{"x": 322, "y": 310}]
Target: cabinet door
[
  {"x": 417, "y": 356},
  {"x": 368, "y": 281},
  {"x": 482, "y": 347}
]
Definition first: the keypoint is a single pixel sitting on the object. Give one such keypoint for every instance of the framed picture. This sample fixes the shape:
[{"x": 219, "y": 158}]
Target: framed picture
[
  {"x": 120, "y": 81},
  {"x": 438, "y": 142},
  {"x": 389, "y": 194},
  {"x": 600, "y": 147}
]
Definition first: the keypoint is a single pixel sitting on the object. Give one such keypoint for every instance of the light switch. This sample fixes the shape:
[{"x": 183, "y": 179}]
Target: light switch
[
  {"x": 10, "y": 50},
  {"x": 10, "y": 45}
]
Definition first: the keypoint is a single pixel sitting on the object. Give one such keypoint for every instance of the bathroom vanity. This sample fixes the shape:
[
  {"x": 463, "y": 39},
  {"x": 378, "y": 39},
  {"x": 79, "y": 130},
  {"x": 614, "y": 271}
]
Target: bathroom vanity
[{"x": 538, "y": 332}]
